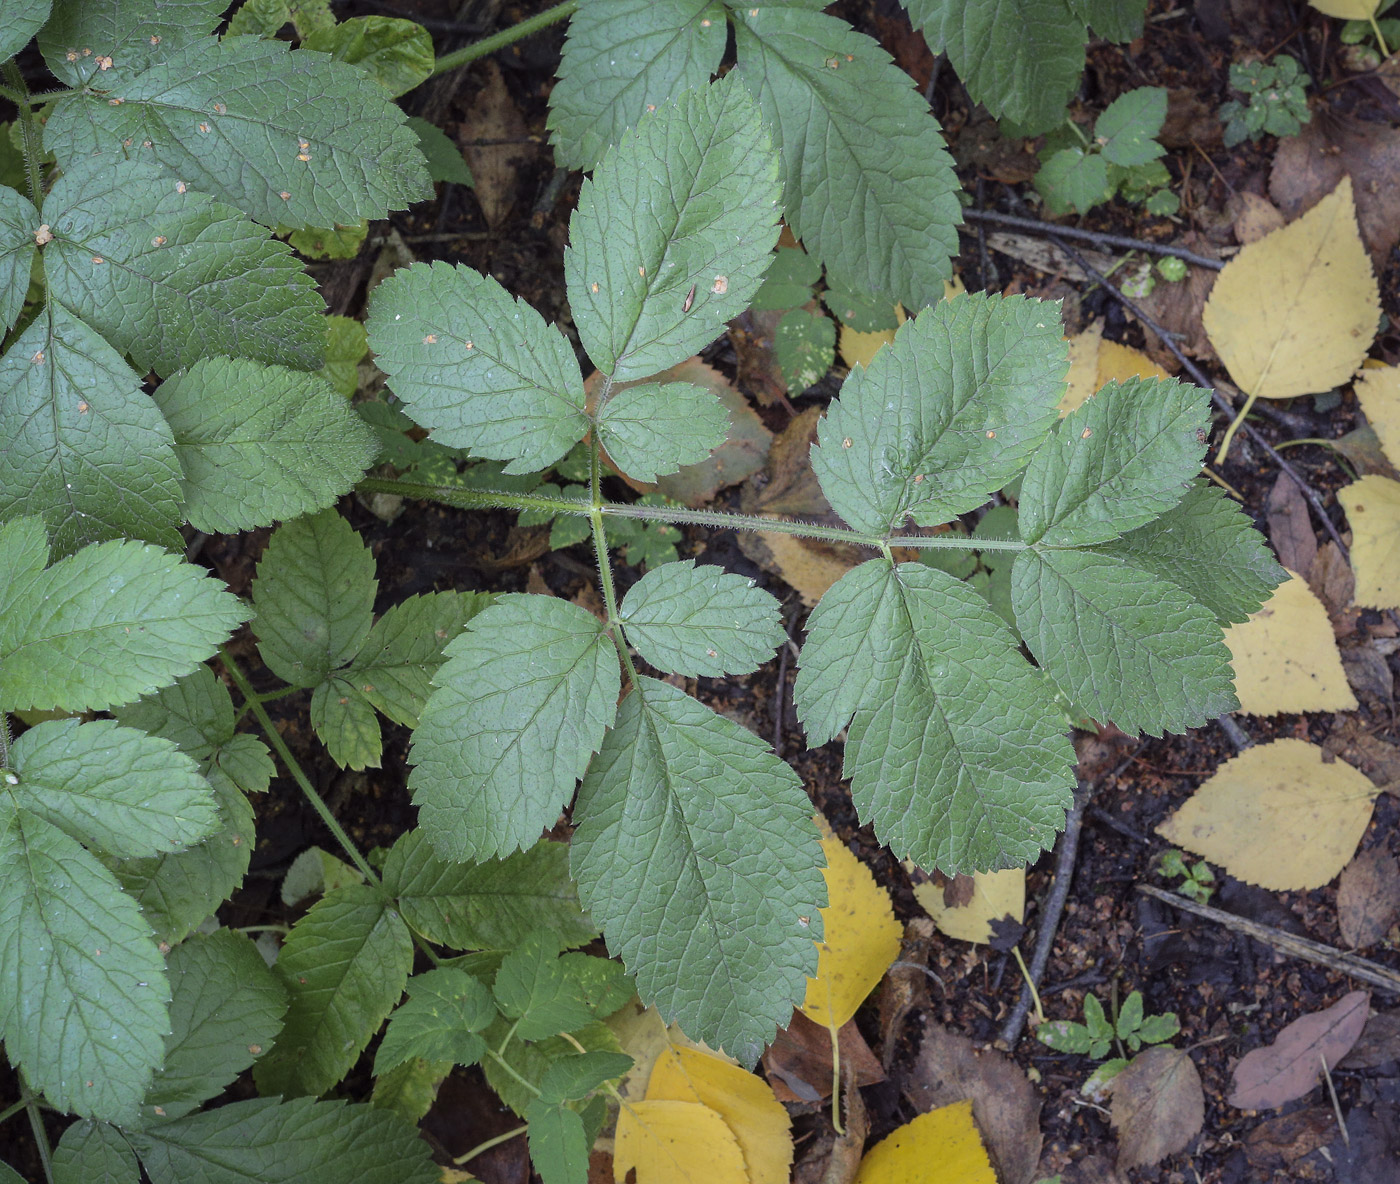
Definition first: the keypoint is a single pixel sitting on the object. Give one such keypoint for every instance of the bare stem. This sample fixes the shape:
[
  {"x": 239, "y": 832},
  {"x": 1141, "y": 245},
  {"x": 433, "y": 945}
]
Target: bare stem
[{"x": 489, "y": 45}]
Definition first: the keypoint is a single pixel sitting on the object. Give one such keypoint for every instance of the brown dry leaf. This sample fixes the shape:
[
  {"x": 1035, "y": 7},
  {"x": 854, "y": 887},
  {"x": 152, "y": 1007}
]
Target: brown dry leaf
[
  {"x": 1291, "y": 1066},
  {"x": 1290, "y": 528},
  {"x": 1277, "y": 1143},
  {"x": 1378, "y": 1043},
  {"x": 1373, "y": 509},
  {"x": 1285, "y": 656},
  {"x": 1255, "y": 216},
  {"x": 844, "y": 1160},
  {"x": 1378, "y": 390},
  {"x": 1158, "y": 1106},
  {"x": 496, "y": 167},
  {"x": 1094, "y": 361},
  {"x": 1353, "y": 740},
  {"x": 1331, "y": 579},
  {"x": 1189, "y": 121},
  {"x": 1368, "y": 898},
  {"x": 1362, "y": 447},
  {"x": 946, "y": 1137},
  {"x": 1295, "y": 312},
  {"x": 1006, "y": 1105},
  {"x": 980, "y": 143},
  {"x": 1369, "y": 672},
  {"x": 1178, "y": 308},
  {"x": 756, "y": 365},
  {"x": 798, "y": 1062},
  {"x": 1277, "y": 816},
  {"x": 993, "y": 895}
]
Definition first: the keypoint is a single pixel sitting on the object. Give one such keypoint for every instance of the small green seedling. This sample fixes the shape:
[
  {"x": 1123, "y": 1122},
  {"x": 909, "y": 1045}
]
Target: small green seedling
[
  {"x": 1197, "y": 880},
  {"x": 1172, "y": 269},
  {"x": 1277, "y": 102},
  {"x": 1097, "y": 1036}
]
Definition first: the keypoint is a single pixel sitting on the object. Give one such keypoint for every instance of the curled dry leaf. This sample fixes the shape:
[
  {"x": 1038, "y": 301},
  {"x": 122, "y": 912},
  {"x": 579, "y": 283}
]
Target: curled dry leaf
[
  {"x": 1373, "y": 509},
  {"x": 1291, "y": 1066},
  {"x": 798, "y": 1062},
  {"x": 1158, "y": 1106},
  {"x": 1368, "y": 898},
  {"x": 1277, "y": 816}
]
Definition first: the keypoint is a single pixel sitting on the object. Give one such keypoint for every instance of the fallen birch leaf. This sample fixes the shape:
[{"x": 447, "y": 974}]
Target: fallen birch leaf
[
  {"x": 676, "y": 1143},
  {"x": 1373, "y": 509},
  {"x": 1378, "y": 390},
  {"x": 1291, "y": 1066},
  {"x": 1094, "y": 362},
  {"x": 946, "y": 1138},
  {"x": 1348, "y": 10},
  {"x": 994, "y": 895},
  {"x": 1285, "y": 656},
  {"x": 1368, "y": 898},
  {"x": 1277, "y": 816},
  {"x": 859, "y": 349},
  {"x": 1158, "y": 1106}
]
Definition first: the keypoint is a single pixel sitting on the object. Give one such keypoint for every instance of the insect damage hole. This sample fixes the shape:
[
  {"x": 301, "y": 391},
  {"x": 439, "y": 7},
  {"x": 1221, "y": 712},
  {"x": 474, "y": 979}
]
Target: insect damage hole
[{"x": 720, "y": 286}]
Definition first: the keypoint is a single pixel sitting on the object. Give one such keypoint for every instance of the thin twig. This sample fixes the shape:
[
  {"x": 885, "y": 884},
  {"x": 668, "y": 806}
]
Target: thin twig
[
  {"x": 1236, "y": 734},
  {"x": 1097, "y": 238},
  {"x": 1050, "y": 917},
  {"x": 1285, "y": 943}
]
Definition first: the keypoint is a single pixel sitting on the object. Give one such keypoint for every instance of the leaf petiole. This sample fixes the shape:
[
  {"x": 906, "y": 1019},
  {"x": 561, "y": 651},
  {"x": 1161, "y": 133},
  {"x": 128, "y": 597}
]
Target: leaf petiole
[{"x": 487, "y": 1144}]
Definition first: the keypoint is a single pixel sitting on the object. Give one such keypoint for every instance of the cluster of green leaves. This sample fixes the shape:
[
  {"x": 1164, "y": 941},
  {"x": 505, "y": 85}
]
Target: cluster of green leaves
[
  {"x": 1129, "y": 1030},
  {"x": 1197, "y": 879},
  {"x": 1122, "y": 157},
  {"x": 1276, "y": 101}
]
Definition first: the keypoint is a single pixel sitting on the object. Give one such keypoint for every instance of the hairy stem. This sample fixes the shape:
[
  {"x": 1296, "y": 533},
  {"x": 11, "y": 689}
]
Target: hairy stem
[
  {"x": 36, "y": 1123},
  {"x": 600, "y": 549},
  {"x": 11, "y": 1110},
  {"x": 29, "y": 131},
  {"x": 274, "y": 738},
  {"x": 488, "y": 45}
]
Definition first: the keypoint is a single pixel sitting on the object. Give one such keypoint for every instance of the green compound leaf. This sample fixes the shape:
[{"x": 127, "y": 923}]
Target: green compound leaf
[
  {"x": 1114, "y": 20},
  {"x": 946, "y": 415},
  {"x": 446, "y": 1008},
  {"x": 492, "y": 905},
  {"x": 105, "y": 626},
  {"x": 1208, "y": 547},
  {"x": 445, "y": 159},
  {"x": 396, "y": 53},
  {"x": 168, "y": 275},
  {"x": 112, "y": 788},
  {"x": 789, "y": 281},
  {"x": 532, "y": 1061},
  {"x": 19, "y": 223},
  {"x": 314, "y": 595},
  {"x": 868, "y": 185},
  {"x": 226, "y": 1006},
  {"x": 476, "y": 367},
  {"x": 572, "y": 1078},
  {"x": 623, "y": 58},
  {"x": 269, "y": 1141},
  {"x": 93, "y": 1153},
  {"x": 83, "y": 994},
  {"x": 1021, "y": 59},
  {"x": 102, "y": 41},
  {"x": 693, "y": 620},
  {"x": 533, "y": 988},
  {"x": 195, "y": 713},
  {"x": 1074, "y": 179},
  {"x": 258, "y": 444},
  {"x": 1120, "y": 460},
  {"x": 653, "y": 429},
  {"x": 522, "y": 703},
  {"x": 673, "y": 232},
  {"x": 344, "y": 965},
  {"x": 696, "y": 852},
  {"x": 234, "y": 119},
  {"x": 85, "y": 447},
  {"x": 1128, "y": 127},
  {"x": 409, "y": 1090},
  {"x": 19, "y": 21},
  {"x": 957, "y": 751},
  {"x": 1125, "y": 645},
  {"x": 558, "y": 1147},
  {"x": 804, "y": 344}
]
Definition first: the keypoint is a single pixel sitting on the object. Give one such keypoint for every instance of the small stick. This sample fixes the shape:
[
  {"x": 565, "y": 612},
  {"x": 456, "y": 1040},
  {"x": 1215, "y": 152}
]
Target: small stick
[
  {"x": 1336, "y": 1105},
  {"x": 1285, "y": 943},
  {"x": 1119, "y": 241},
  {"x": 1234, "y": 733}
]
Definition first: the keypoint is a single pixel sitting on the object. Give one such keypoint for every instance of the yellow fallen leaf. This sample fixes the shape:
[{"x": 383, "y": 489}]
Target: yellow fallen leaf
[
  {"x": 676, "y": 1143},
  {"x": 1373, "y": 509},
  {"x": 994, "y": 895},
  {"x": 1285, "y": 656},
  {"x": 940, "y": 1147},
  {"x": 1277, "y": 816},
  {"x": 645, "y": 1037},
  {"x": 1094, "y": 362},
  {"x": 1348, "y": 10},
  {"x": 860, "y": 938},
  {"x": 757, "y": 1119},
  {"x": 1378, "y": 389},
  {"x": 857, "y": 349}
]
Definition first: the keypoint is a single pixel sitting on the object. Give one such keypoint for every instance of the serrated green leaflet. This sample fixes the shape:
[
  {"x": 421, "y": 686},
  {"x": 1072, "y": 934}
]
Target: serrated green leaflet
[
  {"x": 956, "y": 752},
  {"x": 315, "y": 872},
  {"x": 1117, "y": 462},
  {"x": 226, "y": 1006},
  {"x": 445, "y": 159},
  {"x": 533, "y": 989},
  {"x": 85, "y": 447},
  {"x": 696, "y": 852},
  {"x": 409, "y": 1090},
  {"x": 93, "y": 1153},
  {"x": 571, "y": 1078},
  {"x": 314, "y": 595},
  {"x": 117, "y": 39},
  {"x": 1074, "y": 179},
  {"x": 491, "y": 905},
  {"x": 860, "y": 311},
  {"x": 19, "y": 222},
  {"x": 113, "y": 788},
  {"x": 1127, "y": 128},
  {"x": 346, "y": 346},
  {"x": 19, "y": 21},
  {"x": 673, "y": 232},
  {"x": 868, "y": 185},
  {"x": 652, "y": 429},
  {"x": 622, "y": 59},
  {"x": 804, "y": 344},
  {"x": 293, "y": 138},
  {"x": 268, "y": 1141},
  {"x": 246, "y": 762},
  {"x": 107, "y": 625},
  {"x": 345, "y": 722},
  {"x": 344, "y": 966},
  {"x": 789, "y": 281},
  {"x": 476, "y": 367},
  {"x": 558, "y": 1149},
  {"x": 533, "y": 1060},
  {"x": 260, "y": 443},
  {"x": 1208, "y": 547},
  {"x": 1125, "y": 645},
  {"x": 446, "y": 1008},
  {"x": 945, "y": 416},
  {"x": 195, "y": 713},
  {"x": 693, "y": 620},
  {"x": 396, "y": 53},
  {"x": 522, "y": 703},
  {"x": 1114, "y": 20},
  {"x": 83, "y": 991},
  {"x": 168, "y": 275},
  {"x": 1019, "y": 58}
]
